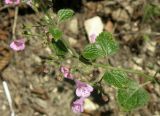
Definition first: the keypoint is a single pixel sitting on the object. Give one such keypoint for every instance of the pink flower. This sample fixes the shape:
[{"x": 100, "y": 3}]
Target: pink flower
[
  {"x": 83, "y": 89},
  {"x": 77, "y": 106},
  {"x": 92, "y": 38},
  {"x": 18, "y": 45},
  {"x": 66, "y": 72},
  {"x": 12, "y": 1}
]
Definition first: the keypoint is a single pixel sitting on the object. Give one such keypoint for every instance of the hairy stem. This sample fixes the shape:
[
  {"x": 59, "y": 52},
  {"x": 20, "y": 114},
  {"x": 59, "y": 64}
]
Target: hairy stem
[
  {"x": 125, "y": 70},
  {"x": 15, "y": 23}
]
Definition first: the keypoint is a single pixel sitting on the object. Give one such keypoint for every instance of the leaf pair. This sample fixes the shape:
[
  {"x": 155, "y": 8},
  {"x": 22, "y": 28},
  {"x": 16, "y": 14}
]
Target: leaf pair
[
  {"x": 130, "y": 94},
  {"x": 58, "y": 44},
  {"x": 104, "y": 45}
]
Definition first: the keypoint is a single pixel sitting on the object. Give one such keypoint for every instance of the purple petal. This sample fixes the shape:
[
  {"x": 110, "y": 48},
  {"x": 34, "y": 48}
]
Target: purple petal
[
  {"x": 80, "y": 84},
  {"x": 82, "y": 92},
  {"x": 77, "y": 105},
  {"x": 77, "y": 108},
  {"x": 83, "y": 89},
  {"x": 64, "y": 69},
  {"x": 66, "y": 72},
  {"x": 92, "y": 38},
  {"x": 89, "y": 88},
  {"x": 79, "y": 101},
  {"x": 70, "y": 76},
  {"x": 79, "y": 92},
  {"x": 18, "y": 45},
  {"x": 12, "y": 1}
]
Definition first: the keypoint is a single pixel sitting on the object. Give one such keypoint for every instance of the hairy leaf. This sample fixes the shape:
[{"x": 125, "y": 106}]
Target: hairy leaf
[
  {"x": 56, "y": 33},
  {"x": 65, "y": 14},
  {"x": 104, "y": 45},
  {"x": 107, "y": 43},
  {"x": 132, "y": 97},
  {"x": 93, "y": 51},
  {"x": 116, "y": 78}
]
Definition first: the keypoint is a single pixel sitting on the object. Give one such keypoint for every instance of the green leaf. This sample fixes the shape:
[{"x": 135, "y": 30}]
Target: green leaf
[
  {"x": 104, "y": 45},
  {"x": 56, "y": 33},
  {"x": 116, "y": 78},
  {"x": 132, "y": 97},
  {"x": 107, "y": 43},
  {"x": 65, "y": 14},
  {"x": 59, "y": 47},
  {"x": 92, "y": 51}
]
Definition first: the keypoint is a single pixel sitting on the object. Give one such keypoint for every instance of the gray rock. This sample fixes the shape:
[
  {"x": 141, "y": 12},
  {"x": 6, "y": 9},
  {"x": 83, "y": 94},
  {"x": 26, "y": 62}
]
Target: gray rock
[
  {"x": 157, "y": 89},
  {"x": 41, "y": 103},
  {"x": 107, "y": 10},
  {"x": 120, "y": 15}
]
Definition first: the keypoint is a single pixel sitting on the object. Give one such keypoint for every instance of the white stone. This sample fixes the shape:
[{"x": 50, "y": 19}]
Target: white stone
[
  {"x": 157, "y": 89},
  {"x": 73, "y": 26},
  {"x": 3, "y": 107},
  {"x": 72, "y": 41},
  {"x": 93, "y": 26},
  {"x": 48, "y": 50},
  {"x": 151, "y": 46},
  {"x": 89, "y": 105}
]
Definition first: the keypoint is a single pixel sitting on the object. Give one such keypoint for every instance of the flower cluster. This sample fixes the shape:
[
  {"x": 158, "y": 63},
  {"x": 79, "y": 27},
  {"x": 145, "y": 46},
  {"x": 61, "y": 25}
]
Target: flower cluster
[{"x": 83, "y": 91}]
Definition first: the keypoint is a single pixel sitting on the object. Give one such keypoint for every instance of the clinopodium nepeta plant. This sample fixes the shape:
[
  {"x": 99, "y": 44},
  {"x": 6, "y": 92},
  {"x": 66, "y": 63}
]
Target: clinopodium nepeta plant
[{"x": 130, "y": 94}]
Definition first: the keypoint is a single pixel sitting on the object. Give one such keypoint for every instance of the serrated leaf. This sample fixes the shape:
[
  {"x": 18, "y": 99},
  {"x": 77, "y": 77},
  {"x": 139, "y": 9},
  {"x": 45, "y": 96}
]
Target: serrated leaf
[
  {"x": 107, "y": 42},
  {"x": 59, "y": 47},
  {"x": 92, "y": 51},
  {"x": 56, "y": 33},
  {"x": 116, "y": 78},
  {"x": 104, "y": 45},
  {"x": 65, "y": 14},
  {"x": 132, "y": 97}
]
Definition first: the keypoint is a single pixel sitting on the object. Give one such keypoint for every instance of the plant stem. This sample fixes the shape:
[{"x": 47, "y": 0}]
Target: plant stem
[
  {"x": 142, "y": 85},
  {"x": 105, "y": 66},
  {"x": 125, "y": 70},
  {"x": 15, "y": 23},
  {"x": 47, "y": 14},
  {"x": 71, "y": 50}
]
